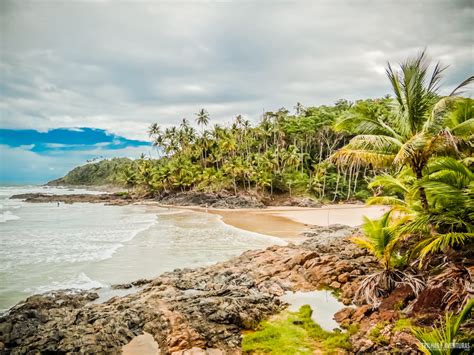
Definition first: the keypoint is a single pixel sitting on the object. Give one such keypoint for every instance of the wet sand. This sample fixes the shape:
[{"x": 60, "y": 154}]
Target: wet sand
[
  {"x": 262, "y": 222},
  {"x": 290, "y": 223},
  {"x": 351, "y": 215}
]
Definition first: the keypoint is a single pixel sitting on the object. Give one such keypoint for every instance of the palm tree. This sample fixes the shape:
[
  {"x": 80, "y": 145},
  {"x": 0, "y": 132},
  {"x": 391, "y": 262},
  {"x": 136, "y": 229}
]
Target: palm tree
[
  {"x": 239, "y": 120},
  {"x": 154, "y": 130},
  {"x": 380, "y": 240},
  {"x": 156, "y": 133},
  {"x": 184, "y": 124},
  {"x": 449, "y": 185},
  {"x": 411, "y": 135},
  {"x": 202, "y": 118},
  {"x": 128, "y": 177},
  {"x": 299, "y": 108},
  {"x": 445, "y": 339}
]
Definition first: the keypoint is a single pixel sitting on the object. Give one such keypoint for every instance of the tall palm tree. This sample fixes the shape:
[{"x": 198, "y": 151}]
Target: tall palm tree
[
  {"x": 239, "y": 120},
  {"x": 412, "y": 134},
  {"x": 154, "y": 130},
  {"x": 299, "y": 109},
  {"x": 202, "y": 118},
  {"x": 184, "y": 124}
]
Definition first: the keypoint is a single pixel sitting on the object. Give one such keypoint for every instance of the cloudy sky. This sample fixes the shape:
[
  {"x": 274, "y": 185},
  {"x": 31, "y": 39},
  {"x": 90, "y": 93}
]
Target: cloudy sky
[{"x": 114, "y": 67}]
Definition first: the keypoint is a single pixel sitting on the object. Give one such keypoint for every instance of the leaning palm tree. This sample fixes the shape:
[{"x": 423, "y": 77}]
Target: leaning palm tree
[
  {"x": 380, "y": 240},
  {"x": 412, "y": 134}
]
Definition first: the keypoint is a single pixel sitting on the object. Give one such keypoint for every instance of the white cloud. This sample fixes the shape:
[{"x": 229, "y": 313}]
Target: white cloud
[{"x": 120, "y": 66}]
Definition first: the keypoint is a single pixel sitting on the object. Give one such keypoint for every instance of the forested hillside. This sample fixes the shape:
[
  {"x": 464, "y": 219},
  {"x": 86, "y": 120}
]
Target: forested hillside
[{"x": 104, "y": 172}]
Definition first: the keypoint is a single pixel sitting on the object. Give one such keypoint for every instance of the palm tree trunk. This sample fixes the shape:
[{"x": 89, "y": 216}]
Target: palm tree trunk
[
  {"x": 421, "y": 190},
  {"x": 349, "y": 184},
  {"x": 337, "y": 185}
]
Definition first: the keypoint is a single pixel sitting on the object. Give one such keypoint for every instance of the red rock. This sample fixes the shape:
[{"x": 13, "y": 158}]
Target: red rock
[
  {"x": 398, "y": 299},
  {"x": 344, "y": 314},
  {"x": 301, "y": 259},
  {"x": 360, "y": 313},
  {"x": 403, "y": 339},
  {"x": 343, "y": 278},
  {"x": 356, "y": 272},
  {"x": 429, "y": 300},
  {"x": 389, "y": 316}
]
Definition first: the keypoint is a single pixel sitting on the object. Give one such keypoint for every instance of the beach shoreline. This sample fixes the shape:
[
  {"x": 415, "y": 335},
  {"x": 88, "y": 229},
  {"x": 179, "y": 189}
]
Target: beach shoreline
[{"x": 289, "y": 223}]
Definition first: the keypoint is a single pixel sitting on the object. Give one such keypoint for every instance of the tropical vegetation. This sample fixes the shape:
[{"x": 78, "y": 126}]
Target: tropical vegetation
[
  {"x": 446, "y": 338},
  {"x": 423, "y": 149},
  {"x": 412, "y": 152}
]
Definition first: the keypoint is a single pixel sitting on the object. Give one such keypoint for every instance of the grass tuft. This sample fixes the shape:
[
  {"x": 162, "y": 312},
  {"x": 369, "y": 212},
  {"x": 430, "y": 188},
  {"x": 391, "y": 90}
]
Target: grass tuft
[{"x": 294, "y": 333}]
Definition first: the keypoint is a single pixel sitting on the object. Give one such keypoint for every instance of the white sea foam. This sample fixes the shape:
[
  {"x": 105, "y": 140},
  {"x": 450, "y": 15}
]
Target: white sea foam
[
  {"x": 80, "y": 281},
  {"x": 8, "y": 216},
  {"x": 91, "y": 245}
]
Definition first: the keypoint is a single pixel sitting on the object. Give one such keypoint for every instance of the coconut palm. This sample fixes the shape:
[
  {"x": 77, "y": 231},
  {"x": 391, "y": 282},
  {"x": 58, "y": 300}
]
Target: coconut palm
[
  {"x": 128, "y": 177},
  {"x": 449, "y": 185},
  {"x": 184, "y": 124},
  {"x": 154, "y": 130},
  {"x": 380, "y": 240},
  {"x": 202, "y": 118},
  {"x": 299, "y": 108},
  {"x": 412, "y": 134}
]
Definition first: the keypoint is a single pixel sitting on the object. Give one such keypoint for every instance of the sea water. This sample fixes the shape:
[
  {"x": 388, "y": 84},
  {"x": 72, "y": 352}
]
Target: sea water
[{"x": 45, "y": 247}]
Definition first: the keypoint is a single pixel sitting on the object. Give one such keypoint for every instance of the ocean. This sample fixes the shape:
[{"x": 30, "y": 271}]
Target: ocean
[{"x": 45, "y": 247}]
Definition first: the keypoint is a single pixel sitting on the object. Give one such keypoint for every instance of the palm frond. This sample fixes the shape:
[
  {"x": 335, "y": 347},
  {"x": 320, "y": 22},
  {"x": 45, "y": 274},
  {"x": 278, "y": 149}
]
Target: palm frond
[
  {"x": 445, "y": 335},
  {"x": 464, "y": 129},
  {"x": 440, "y": 242},
  {"x": 389, "y": 183},
  {"x": 387, "y": 201},
  {"x": 458, "y": 88},
  {"x": 463, "y": 316},
  {"x": 346, "y": 156},
  {"x": 449, "y": 164},
  {"x": 410, "y": 149}
]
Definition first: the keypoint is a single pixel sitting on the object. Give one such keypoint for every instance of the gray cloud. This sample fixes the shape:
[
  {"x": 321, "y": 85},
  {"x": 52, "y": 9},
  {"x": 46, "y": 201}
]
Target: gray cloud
[{"x": 122, "y": 65}]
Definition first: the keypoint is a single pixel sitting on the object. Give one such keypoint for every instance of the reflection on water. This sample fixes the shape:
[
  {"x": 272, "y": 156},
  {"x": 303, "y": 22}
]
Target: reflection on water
[{"x": 322, "y": 302}]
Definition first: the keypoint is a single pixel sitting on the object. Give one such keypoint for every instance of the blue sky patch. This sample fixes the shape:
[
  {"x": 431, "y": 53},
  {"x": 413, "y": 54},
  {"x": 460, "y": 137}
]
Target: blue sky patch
[
  {"x": 34, "y": 157},
  {"x": 66, "y": 139}
]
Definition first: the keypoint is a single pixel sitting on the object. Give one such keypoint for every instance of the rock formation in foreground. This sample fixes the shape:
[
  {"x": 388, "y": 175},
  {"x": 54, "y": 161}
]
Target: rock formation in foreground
[{"x": 207, "y": 308}]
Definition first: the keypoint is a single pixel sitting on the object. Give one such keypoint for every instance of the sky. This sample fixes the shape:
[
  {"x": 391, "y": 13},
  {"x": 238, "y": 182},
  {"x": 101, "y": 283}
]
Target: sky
[{"x": 74, "y": 72}]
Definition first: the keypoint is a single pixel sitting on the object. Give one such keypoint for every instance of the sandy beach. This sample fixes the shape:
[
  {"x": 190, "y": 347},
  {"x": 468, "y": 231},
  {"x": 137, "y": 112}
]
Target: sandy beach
[{"x": 290, "y": 222}]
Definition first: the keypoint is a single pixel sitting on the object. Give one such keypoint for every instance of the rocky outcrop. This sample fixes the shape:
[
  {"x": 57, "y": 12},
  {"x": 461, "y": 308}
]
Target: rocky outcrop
[
  {"x": 203, "y": 308},
  {"x": 378, "y": 332},
  {"x": 190, "y": 198},
  {"x": 113, "y": 199},
  {"x": 301, "y": 202},
  {"x": 211, "y": 200}
]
